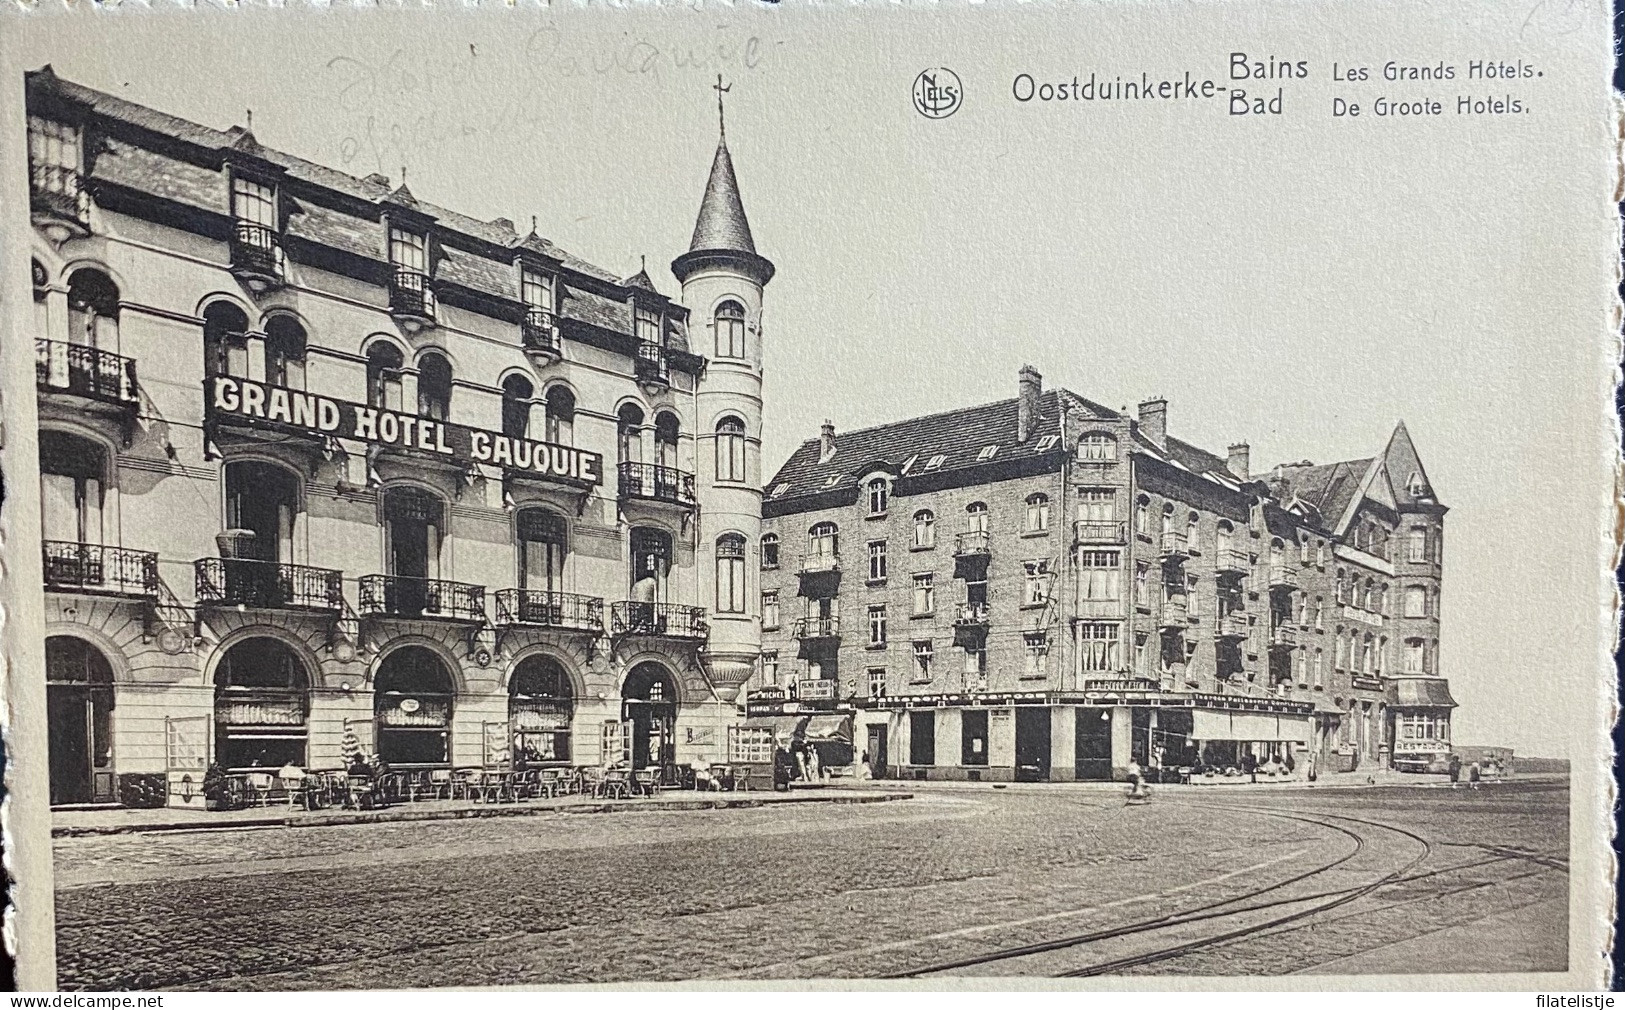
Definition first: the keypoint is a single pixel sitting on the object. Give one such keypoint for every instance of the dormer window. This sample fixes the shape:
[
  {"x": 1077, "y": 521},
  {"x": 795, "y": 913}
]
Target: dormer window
[
  {"x": 55, "y": 169},
  {"x": 648, "y": 326},
  {"x": 879, "y": 496},
  {"x": 256, "y": 245},
  {"x": 536, "y": 291},
  {"x": 1097, "y": 447},
  {"x": 651, "y": 354},
  {"x": 409, "y": 292}
]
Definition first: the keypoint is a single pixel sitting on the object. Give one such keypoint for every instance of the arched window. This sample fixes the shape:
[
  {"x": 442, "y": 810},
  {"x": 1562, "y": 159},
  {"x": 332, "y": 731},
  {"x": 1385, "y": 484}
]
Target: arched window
[
  {"x": 543, "y": 545},
  {"x": 93, "y": 301},
  {"x": 384, "y": 364},
  {"x": 73, "y": 474},
  {"x": 561, "y": 416},
  {"x": 976, "y": 516},
  {"x": 261, "y": 703},
  {"x": 629, "y": 434},
  {"x": 262, "y": 500},
  {"x": 1277, "y": 553},
  {"x": 540, "y": 704},
  {"x": 1168, "y": 517},
  {"x": 516, "y": 396},
  {"x": 925, "y": 528},
  {"x": 1193, "y": 533},
  {"x": 285, "y": 352},
  {"x": 225, "y": 344},
  {"x": 414, "y": 522},
  {"x": 730, "y": 574},
  {"x": 770, "y": 551},
  {"x": 1097, "y": 447},
  {"x": 412, "y": 702},
  {"x": 1342, "y": 586},
  {"x": 1142, "y": 515},
  {"x": 434, "y": 387},
  {"x": 1037, "y": 513},
  {"x": 1222, "y": 536},
  {"x": 823, "y": 546},
  {"x": 730, "y": 323},
  {"x": 879, "y": 496},
  {"x": 730, "y": 449},
  {"x": 666, "y": 439},
  {"x": 79, "y": 695}
]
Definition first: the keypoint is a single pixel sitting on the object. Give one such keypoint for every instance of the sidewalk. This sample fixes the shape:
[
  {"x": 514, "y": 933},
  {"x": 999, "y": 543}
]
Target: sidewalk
[
  {"x": 73, "y": 823},
  {"x": 1334, "y": 780}
]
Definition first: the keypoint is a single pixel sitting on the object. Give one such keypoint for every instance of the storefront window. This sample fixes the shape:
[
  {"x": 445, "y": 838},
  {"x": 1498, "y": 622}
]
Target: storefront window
[
  {"x": 540, "y": 704},
  {"x": 261, "y": 705},
  {"x": 412, "y": 704}
]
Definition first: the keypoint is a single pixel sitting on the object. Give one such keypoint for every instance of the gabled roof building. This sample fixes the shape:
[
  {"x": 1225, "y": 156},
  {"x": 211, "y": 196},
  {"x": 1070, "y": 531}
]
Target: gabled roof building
[{"x": 1046, "y": 588}]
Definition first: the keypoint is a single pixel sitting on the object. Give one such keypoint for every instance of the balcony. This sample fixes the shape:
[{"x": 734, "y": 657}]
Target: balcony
[
  {"x": 662, "y": 620},
  {"x": 256, "y": 255},
  {"x": 410, "y": 297},
  {"x": 82, "y": 370},
  {"x": 1233, "y": 626},
  {"x": 649, "y": 364},
  {"x": 1367, "y": 617},
  {"x": 1284, "y": 636},
  {"x": 1175, "y": 615},
  {"x": 1105, "y": 534},
  {"x": 540, "y": 333},
  {"x": 242, "y": 582},
  {"x": 972, "y": 554},
  {"x": 540, "y": 609},
  {"x": 1232, "y": 562},
  {"x": 817, "y": 637},
  {"x": 1172, "y": 546},
  {"x": 1365, "y": 682},
  {"x": 426, "y": 599},
  {"x": 650, "y": 482},
  {"x": 94, "y": 569},
  {"x": 59, "y": 199},
  {"x": 819, "y": 577},
  {"x": 1283, "y": 576},
  {"x": 971, "y": 615}
]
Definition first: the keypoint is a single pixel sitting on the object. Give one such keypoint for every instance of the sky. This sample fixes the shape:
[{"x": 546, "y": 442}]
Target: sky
[{"x": 1297, "y": 282}]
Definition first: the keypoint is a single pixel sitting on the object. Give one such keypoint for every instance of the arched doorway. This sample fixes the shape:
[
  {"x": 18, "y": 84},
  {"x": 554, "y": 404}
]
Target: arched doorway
[
  {"x": 261, "y": 706},
  {"x": 79, "y": 703},
  {"x": 649, "y": 705},
  {"x": 540, "y": 704},
  {"x": 412, "y": 701}
]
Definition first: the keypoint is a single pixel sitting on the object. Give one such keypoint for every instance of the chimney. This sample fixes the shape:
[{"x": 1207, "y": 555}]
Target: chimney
[
  {"x": 1154, "y": 420},
  {"x": 826, "y": 442},
  {"x": 1029, "y": 386},
  {"x": 1240, "y": 459}
]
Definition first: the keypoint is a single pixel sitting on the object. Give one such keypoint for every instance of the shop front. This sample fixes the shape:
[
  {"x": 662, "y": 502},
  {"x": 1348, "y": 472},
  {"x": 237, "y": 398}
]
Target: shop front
[
  {"x": 1420, "y": 709},
  {"x": 1252, "y": 746}
]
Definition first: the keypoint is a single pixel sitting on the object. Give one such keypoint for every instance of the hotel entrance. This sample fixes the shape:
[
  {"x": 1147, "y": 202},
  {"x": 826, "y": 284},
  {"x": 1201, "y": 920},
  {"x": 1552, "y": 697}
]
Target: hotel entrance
[
  {"x": 649, "y": 704},
  {"x": 79, "y": 707}
]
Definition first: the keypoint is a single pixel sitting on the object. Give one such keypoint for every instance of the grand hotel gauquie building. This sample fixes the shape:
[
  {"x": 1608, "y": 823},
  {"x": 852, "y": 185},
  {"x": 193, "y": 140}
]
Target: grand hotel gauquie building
[
  {"x": 323, "y": 464},
  {"x": 1043, "y": 588}
]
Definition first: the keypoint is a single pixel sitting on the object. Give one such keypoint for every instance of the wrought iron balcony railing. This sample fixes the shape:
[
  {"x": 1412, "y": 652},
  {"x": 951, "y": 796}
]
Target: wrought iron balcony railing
[
  {"x": 61, "y": 367},
  {"x": 60, "y": 191},
  {"x": 410, "y": 293},
  {"x": 971, "y": 614},
  {"x": 541, "y": 608},
  {"x": 234, "y": 582},
  {"x": 434, "y": 599},
  {"x": 91, "y": 568},
  {"x": 652, "y": 482},
  {"x": 650, "y": 362},
  {"x": 1094, "y": 531},
  {"x": 256, "y": 249},
  {"x": 665, "y": 620},
  {"x": 539, "y": 331},
  {"x": 818, "y": 627}
]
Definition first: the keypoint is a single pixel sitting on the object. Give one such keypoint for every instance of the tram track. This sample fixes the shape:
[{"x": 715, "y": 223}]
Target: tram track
[{"x": 1229, "y": 910}]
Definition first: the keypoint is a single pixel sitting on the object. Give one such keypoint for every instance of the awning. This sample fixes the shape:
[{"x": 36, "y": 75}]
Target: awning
[
  {"x": 1420, "y": 692},
  {"x": 1292, "y": 727},
  {"x": 829, "y": 727},
  {"x": 783, "y": 726},
  {"x": 1207, "y": 724}
]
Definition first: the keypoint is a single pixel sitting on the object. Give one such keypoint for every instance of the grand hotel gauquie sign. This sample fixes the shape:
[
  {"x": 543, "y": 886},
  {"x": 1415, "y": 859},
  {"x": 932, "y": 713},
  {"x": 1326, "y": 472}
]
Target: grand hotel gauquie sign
[{"x": 232, "y": 399}]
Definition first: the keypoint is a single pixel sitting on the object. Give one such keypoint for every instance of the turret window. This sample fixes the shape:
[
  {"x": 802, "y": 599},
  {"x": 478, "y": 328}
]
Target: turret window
[
  {"x": 730, "y": 326},
  {"x": 730, "y": 449},
  {"x": 730, "y": 574}
]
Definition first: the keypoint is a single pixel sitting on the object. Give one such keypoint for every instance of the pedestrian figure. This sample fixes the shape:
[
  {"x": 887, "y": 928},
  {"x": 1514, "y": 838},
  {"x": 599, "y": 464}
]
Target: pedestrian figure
[
  {"x": 1472, "y": 775},
  {"x": 1455, "y": 771}
]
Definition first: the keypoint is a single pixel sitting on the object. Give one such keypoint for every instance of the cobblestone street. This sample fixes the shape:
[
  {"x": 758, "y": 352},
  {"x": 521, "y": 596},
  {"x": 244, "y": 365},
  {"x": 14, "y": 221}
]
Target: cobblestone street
[{"x": 817, "y": 890}]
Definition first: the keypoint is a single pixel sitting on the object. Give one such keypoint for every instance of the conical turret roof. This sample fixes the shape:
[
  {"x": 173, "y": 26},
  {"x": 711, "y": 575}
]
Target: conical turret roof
[{"x": 722, "y": 234}]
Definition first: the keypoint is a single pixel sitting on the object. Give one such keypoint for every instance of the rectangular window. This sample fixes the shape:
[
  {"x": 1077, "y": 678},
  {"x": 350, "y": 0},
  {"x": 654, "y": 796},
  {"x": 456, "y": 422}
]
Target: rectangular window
[
  {"x": 770, "y": 608},
  {"x": 1320, "y": 614},
  {"x": 973, "y": 665},
  {"x": 1320, "y": 662},
  {"x": 922, "y": 738},
  {"x": 925, "y": 593},
  {"x": 648, "y": 326},
  {"x": 1417, "y": 544},
  {"x": 1097, "y": 505},
  {"x": 253, "y": 202},
  {"x": 1037, "y": 514},
  {"x": 53, "y": 156},
  {"x": 1142, "y": 584},
  {"x": 879, "y": 497},
  {"x": 1099, "y": 572},
  {"x": 877, "y": 624},
  {"x": 770, "y": 668},
  {"x": 877, "y": 681},
  {"x": 408, "y": 250},
  {"x": 536, "y": 289},
  {"x": 922, "y": 661},
  {"x": 750, "y": 744},
  {"x": 1413, "y": 655},
  {"x": 1191, "y": 606},
  {"x": 1098, "y": 648},
  {"x": 877, "y": 561},
  {"x": 1035, "y": 586},
  {"x": 1036, "y": 644}
]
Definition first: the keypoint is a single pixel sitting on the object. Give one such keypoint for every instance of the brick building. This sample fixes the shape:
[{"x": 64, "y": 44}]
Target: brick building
[
  {"x": 325, "y": 465},
  {"x": 1045, "y": 588}
]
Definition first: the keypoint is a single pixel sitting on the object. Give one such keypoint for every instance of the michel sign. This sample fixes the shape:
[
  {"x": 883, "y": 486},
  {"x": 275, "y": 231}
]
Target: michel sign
[{"x": 244, "y": 400}]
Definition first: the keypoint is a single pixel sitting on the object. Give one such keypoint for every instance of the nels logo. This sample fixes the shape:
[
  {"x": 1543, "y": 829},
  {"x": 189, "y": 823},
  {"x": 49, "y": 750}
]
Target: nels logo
[{"x": 937, "y": 93}]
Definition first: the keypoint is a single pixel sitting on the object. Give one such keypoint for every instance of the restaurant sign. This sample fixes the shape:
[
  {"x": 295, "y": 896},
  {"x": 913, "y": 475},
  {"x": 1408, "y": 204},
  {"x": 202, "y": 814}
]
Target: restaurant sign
[
  {"x": 230, "y": 398},
  {"x": 819, "y": 689}
]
